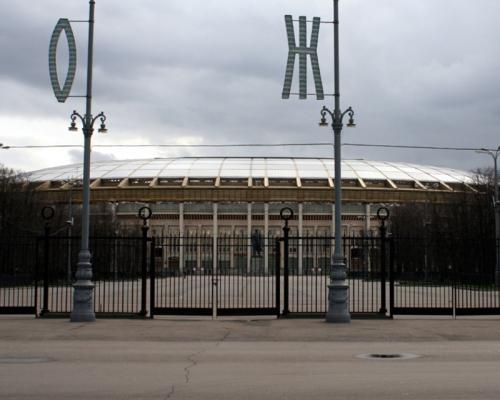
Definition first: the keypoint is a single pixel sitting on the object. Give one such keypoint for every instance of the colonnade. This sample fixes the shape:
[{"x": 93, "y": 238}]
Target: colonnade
[{"x": 355, "y": 223}]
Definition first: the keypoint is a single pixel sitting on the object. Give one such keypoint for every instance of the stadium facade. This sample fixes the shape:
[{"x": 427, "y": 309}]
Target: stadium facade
[
  {"x": 239, "y": 195},
  {"x": 194, "y": 199}
]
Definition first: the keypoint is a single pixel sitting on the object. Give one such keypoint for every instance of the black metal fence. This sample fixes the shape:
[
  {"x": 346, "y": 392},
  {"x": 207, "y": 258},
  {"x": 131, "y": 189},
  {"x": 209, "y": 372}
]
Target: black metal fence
[
  {"x": 445, "y": 276},
  {"x": 214, "y": 276},
  {"x": 18, "y": 275},
  {"x": 228, "y": 275},
  {"x": 117, "y": 275},
  {"x": 244, "y": 276},
  {"x": 309, "y": 274},
  {"x": 37, "y": 274}
]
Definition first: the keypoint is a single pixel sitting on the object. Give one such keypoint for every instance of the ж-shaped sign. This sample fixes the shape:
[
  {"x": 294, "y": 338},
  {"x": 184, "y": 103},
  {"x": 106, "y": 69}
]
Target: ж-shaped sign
[
  {"x": 62, "y": 94},
  {"x": 303, "y": 52}
]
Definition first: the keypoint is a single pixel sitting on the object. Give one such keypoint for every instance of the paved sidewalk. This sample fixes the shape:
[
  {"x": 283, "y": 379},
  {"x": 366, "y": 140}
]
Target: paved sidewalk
[
  {"x": 256, "y": 329},
  {"x": 249, "y": 359}
]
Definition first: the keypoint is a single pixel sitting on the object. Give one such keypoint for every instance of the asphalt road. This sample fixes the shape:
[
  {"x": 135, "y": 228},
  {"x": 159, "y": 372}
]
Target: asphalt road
[{"x": 249, "y": 359}]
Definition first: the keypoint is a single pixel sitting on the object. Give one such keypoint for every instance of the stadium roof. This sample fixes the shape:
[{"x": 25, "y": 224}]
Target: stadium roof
[
  {"x": 267, "y": 169},
  {"x": 252, "y": 179}
]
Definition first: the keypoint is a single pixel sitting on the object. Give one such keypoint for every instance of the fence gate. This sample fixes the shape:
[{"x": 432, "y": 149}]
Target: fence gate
[
  {"x": 202, "y": 275},
  {"x": 119, "y": 268},
  {"x": 306, "y": 271},
  {"x": 443, "y": 277}
]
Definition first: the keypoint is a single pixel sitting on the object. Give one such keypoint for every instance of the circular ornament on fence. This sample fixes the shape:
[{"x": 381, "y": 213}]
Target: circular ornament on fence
[
  {"x": 383, "y": 213},
  {"x": 145, "y": 213},
  {"x": 286, "y": 213},
  {"x": 47, "y": 213}
]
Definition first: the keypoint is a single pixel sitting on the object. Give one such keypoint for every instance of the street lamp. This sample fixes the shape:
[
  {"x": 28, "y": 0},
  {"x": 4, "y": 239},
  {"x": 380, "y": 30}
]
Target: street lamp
[
  {"x": 83, "y": 307},
  {"x": 494, "y": 154},
  {"x": 83, "y": 310},
  {"x": 338, "y": 289}
]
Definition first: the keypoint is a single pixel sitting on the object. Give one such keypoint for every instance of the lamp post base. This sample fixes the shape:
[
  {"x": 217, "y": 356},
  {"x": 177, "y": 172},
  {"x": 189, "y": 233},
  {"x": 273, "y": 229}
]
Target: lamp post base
[
  {"x": 83, "y": 310},
  {"x": 338, "y": 293},
  {"x": 83, "y": 304},
  {"x": 338, "y": 303}
]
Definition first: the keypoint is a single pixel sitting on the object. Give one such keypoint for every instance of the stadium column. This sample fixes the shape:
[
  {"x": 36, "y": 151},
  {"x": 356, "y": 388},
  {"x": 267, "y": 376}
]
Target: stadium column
[
  {"x": 249, "y": 236},
  {"x": 367, "y": 219},
  {"x": 181, "y": 238},
  {"x": 367, "y": 232},
  {"x": 301, "y": 232},
  {"x": 266, "y": 239}
]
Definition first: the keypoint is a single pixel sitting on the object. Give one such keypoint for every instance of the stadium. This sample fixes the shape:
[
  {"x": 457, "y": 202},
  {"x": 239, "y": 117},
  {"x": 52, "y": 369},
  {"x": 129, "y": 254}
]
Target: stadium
[
  {"x": 216, "y": 239},
  {"x": 236, "y": 195}
]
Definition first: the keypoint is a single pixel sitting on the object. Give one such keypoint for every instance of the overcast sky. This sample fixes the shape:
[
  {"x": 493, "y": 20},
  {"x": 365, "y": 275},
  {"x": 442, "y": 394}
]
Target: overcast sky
[{"x": 417, "y": 72}]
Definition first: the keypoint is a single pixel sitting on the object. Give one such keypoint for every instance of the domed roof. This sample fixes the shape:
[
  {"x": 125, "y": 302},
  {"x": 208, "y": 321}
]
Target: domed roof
[{"x": 265, "y": 168}]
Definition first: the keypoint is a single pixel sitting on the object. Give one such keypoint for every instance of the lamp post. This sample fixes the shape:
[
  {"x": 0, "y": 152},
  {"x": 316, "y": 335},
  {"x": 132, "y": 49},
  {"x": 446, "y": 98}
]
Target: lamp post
[
  {"x": 494, "y": 155},
  {"x": 83, "y": 308},
  {"x": 338, "y": 289}
]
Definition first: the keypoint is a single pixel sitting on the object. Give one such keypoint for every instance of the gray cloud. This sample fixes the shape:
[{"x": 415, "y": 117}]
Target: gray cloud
[
  {"x": 76, "y": 156},
  {"x": 420, "y": 72}
]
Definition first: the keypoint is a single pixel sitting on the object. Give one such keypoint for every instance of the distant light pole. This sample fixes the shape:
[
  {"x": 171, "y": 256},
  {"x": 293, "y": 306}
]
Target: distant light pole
[
  {"x": 83, "y": 307},
  {"x": 338, "y": 289},
  {"x": 494, "y": 155}
]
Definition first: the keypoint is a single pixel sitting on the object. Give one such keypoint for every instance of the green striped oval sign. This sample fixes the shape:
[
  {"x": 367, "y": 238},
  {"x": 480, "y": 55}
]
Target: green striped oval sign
[{"x": 62, "y": 93}]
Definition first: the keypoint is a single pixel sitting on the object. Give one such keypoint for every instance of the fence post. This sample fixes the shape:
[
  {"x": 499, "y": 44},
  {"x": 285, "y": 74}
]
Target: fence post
[
  {"x": 144, "y": 269},
  {"x": 36, "y": 277},
  {"x": 383, "y": 308},
  {"x": 277, "y": 277},
  {"x": 47, "y": 215},
  {"x": 286, "y": 214},
  {"x": 286, "y": 272},
  {"x": 145, "y": 214},
  {"x": 391, "y": 277},
  {"x": 383, "y": 215},
  {"x": 152, "y": 274}
]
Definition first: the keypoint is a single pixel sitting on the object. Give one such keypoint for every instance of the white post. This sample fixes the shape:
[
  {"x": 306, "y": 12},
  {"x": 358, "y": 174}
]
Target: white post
[
  {"x": 181, "y": 238},
  {"x": 367, "y": 219},
  {"x": 266, "y": 239},
  {"x": 214, "y": 261},
  {"x": 249, "y": 237},
  {"x": 215, "y": 231},
  {"x": 367, "y": 233},
  {"x": 301, "y": 232}
]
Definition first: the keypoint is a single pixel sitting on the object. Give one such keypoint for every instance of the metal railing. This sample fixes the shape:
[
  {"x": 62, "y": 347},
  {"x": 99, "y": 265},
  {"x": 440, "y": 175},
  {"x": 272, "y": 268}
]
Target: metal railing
[
  {"x": 447, "y": 275},
  {"x": 18, "y": 275},
  {"x": 204, "y": 275},
  {"x": 245, "y": 275}
]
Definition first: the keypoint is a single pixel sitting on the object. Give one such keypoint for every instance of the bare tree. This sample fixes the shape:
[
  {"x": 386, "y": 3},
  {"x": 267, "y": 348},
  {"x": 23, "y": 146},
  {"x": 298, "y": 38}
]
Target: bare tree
[
  {"x": 18, "y": 207},
  {"x": 441, "y": 241}
]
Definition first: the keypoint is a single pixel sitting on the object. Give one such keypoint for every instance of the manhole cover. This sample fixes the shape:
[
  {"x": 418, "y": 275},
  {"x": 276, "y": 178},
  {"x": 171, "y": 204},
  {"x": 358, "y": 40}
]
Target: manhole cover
[
  {"x": 388, "y": 356},
  {"x": 24, "y": 360}
]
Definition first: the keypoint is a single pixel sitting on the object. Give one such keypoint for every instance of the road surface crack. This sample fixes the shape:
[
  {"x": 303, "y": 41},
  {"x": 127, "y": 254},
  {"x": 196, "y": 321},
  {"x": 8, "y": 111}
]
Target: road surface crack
[
  {"x": 192, "y": 357},
  {"x": 171, "y": 393},
  {"x": 193, "y": 362}
]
